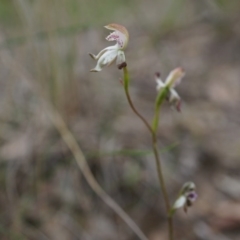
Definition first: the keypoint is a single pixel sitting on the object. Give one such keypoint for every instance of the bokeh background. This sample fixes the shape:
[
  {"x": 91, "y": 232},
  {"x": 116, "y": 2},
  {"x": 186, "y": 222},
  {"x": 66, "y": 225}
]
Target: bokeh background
[{"x": 44, "y": 44}]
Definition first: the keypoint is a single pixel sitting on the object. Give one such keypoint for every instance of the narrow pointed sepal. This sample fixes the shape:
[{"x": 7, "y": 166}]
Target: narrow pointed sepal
[{"x": 93, "y": 56}]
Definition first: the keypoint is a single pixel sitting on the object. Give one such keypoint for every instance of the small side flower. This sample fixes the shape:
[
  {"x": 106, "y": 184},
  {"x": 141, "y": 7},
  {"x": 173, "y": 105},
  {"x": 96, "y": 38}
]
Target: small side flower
[
  {"x": 186, "y": 198},
  {"x": 173, "y": 79},
  {"x": 113, "y": 53}
]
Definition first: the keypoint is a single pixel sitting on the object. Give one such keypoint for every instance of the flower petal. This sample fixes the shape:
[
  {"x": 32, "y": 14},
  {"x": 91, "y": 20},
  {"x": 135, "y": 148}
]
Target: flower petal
[
  {"x": 175, "y": 77},
  {"x": 174, "y": 99},
  {"x": 173, "y": 96},
  {"x": 120, "y": 35},
  {"x": 96, "y": 57},
  {"x": 180, "y": 202},
  {"x": 105, "y": 60},
  {"x": 188, "y": 187},
  {"x": 120, "y": 58},
  {"x": 192, "y": 196},
  {"x": 160, "y": 84}
]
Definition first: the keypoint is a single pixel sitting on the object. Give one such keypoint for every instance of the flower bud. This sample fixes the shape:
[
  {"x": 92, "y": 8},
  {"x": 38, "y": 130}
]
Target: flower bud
[{"x": 186, "y": 198}]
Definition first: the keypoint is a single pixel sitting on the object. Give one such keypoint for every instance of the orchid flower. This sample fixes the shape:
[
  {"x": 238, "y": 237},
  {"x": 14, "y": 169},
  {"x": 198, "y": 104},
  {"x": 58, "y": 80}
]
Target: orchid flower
[
  {"x": 186, "y": 197},
  {"x": 109, "y": 54},
  {"x": 173, "y": 79}
]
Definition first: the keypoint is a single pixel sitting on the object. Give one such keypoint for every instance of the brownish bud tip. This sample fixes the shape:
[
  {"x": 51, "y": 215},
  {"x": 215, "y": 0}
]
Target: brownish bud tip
[
  {"x": 178, "y": 106},
  {"x": 158, "y": 74},
  {"x": 122, "y": 65}
]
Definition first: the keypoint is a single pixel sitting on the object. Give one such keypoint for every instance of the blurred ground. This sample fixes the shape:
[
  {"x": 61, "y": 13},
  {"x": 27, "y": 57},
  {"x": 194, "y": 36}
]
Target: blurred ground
[{"x": 43, "y": 194}]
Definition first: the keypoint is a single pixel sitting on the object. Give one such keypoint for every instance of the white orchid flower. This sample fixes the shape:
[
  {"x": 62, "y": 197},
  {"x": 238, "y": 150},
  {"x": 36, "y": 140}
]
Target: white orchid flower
[
  {"x": 173, "y": 79},
  {"x": 109, "y": 54},
  {"x": 186, "y": 197}
]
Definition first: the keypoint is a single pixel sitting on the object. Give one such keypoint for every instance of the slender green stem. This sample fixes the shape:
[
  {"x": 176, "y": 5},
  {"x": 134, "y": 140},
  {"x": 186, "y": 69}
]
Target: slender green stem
[
  {"x": 153, "y": 131},
  {"x": 156, "y": 119},
  {"x": 126, "y": 85},
  {"x": 162, "y": 185}
]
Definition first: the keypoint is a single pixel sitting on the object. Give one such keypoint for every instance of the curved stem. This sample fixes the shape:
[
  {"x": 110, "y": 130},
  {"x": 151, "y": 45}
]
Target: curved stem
[
  {"x": 126, "y": 84},
  {"x": 153, "y": 131}
]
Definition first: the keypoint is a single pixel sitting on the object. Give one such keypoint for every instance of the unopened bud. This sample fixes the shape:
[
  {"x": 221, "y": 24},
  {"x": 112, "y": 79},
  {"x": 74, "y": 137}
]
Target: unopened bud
[{"x": 186, "y": 198}]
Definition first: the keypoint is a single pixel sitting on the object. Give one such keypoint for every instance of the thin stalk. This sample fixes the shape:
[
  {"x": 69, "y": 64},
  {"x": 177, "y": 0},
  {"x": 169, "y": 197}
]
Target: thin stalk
[
  {"x": 126, "y": 87},
  {"x": 162, "y": 185},
  {"x": 153, "y": 131}
]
